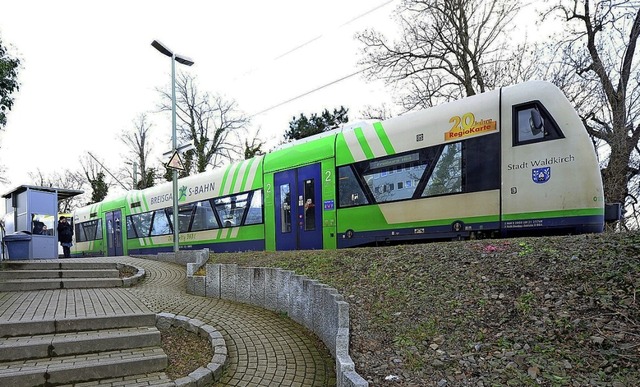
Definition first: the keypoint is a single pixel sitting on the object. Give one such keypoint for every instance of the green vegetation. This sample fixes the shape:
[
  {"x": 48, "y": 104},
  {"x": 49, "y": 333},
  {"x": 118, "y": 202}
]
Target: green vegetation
[{"x": 534, "y": 311}]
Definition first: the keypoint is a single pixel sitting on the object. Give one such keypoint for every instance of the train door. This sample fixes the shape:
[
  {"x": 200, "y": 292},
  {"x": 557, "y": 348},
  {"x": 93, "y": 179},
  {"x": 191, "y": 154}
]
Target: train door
[
  {"x": 114, "y": 233},
  {"x": 298, "y": 209}
]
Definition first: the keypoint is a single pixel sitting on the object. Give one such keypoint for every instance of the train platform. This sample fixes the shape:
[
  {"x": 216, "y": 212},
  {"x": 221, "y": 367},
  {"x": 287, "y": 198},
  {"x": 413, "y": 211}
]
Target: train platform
[{"x": 264, "y": 348}]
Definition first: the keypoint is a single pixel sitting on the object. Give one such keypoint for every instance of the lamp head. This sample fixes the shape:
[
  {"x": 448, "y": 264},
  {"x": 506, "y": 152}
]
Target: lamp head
[
  {"x": 184, "y": 60},
  {"x": 162, "y": 48}
]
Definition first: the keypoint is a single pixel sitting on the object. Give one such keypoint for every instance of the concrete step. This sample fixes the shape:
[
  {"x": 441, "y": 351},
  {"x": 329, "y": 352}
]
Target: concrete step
[
  {"x": 74, "y": 343},
  {"x": 56, "y": 273},
  {"x": 82, "y": 368},
  {"x": 56, "y": 265},
  {"x": 22, "y": 285},
  {"x": 157, "y": 379},
  {"x": 43, "y": 327}
]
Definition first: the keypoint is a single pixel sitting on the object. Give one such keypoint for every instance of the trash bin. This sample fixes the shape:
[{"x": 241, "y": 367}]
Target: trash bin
[{"x": 18, "y": 245}]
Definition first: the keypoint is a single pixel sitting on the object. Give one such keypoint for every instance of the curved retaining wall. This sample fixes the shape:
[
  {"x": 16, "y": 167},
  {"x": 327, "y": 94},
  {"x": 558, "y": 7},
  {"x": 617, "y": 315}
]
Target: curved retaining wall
[{"x": 314, "y": 305}]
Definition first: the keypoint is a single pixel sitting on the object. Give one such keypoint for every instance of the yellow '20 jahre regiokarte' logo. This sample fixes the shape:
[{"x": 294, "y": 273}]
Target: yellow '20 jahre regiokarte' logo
[{"x": 466, "y": 125}]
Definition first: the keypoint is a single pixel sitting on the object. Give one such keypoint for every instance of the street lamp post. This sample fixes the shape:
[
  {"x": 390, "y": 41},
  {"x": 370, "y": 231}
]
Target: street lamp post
[{"x": 174, "y": 141}]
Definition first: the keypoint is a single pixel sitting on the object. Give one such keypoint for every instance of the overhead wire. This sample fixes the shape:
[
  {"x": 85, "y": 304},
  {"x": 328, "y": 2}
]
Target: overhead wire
[
  {"x": 309, "y": 92},
  {"x": 314, "y": 40}
]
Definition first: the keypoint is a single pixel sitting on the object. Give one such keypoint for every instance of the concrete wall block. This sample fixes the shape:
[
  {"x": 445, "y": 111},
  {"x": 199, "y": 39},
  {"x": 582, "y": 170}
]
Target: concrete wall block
[
  {"x": 270, "y": 289},
  {"x": 199, "y": 285},
  {"x": 344, "y": 364},
  {"x": 185, "y": 382},
  {"x": 191, "y": 268},
  {"x": 318, "y": 311},
  {"x": 342, "y": 341},
  {"x": 283, "y": 290},
  {"x": 343, "y": 314},
  {"x": 330, "y": 307},
  {"x": 308, "y": 292},
  {"x": 219, "y": 358},
  {"x": 257, "y": 286},
  {"x": 243, "y": 284},
  {"x": 216, "y": 370},
  {"x": 203, "y": 376},
  {"x": 352, "y": 379},
  {"x": 297, "y": 298},
  {"x": 184, "y": 257},
  {"x": 212, "y": 280},
  {"x": 182, "y": 322},
  {"x": 166, "y": 257},
  {"x": 196, "y": 323},
  {"x": 191, "y": 285},
  {"x": 222, "y": 351},
  {"x": 206, "y": 330},
  {"x": 228, "y": 279},
  {"x": 164, "y": 320},
  {"x": 215, "y": 335},
  {"x": 325, "y": 311},
  {"x": 202, "y": 256}
]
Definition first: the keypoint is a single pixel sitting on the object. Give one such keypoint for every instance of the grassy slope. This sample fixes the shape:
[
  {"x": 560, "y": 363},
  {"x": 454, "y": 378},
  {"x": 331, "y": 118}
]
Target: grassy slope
[{"x": 530, "y": 311}]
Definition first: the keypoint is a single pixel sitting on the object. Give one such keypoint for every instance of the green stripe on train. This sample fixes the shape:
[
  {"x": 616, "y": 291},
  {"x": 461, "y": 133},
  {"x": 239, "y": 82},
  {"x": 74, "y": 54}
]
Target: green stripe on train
[
  {"x": 369, "y": 218},
  {"x": 554, "y": 214},
  {"x": 384, "y": 139},
  {"x": 224, "y": 180},
  {"x": 247, "y": 172},
  {"x": 343, "y": 153},
  {"x": 364, "y": 144},
  {"x": 235, "y": 178}
]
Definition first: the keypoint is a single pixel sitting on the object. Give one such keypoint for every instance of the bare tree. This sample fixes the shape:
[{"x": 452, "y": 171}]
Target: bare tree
[
  {"x": 381, "y": 112},
  {"x": 254, "y": 148},
  {"x": 210, "y": 121},
  {"x": 599, "y": 71},
  {"x": 137, "y": 142},
  {"x": 96, "y": 178},
  {"x": 448, "y": 49}
]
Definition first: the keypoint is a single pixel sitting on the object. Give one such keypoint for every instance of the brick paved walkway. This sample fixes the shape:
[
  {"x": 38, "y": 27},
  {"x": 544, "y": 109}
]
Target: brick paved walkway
[{"x": 265, "y": 349}]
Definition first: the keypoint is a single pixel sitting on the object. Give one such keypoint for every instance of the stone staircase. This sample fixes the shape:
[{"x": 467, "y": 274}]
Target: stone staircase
[
  {"x": 17, "y": 276},
  {"x": 114, "y": 350},
  {"x": 69, "y": 351}
]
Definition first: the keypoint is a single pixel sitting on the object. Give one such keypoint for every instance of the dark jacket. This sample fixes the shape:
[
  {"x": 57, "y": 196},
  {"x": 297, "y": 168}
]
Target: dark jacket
[{"x": 65, "y": 232}]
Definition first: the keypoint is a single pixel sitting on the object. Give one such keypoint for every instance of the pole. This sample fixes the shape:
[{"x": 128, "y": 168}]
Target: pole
[{"x": 174, "y": 145}]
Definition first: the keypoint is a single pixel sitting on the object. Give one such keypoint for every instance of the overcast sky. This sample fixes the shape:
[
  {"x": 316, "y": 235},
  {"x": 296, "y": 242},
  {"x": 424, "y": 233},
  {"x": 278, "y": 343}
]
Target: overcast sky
[{"x": 89, "y": 69}]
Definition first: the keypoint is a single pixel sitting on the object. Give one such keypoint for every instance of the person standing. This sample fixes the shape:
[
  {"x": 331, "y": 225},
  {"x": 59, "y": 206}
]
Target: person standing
[{"x": 65, "y": 236}]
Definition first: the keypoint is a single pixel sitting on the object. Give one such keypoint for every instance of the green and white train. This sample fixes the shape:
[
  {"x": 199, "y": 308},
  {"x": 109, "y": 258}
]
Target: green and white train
[{"x": 513, "y": 161}]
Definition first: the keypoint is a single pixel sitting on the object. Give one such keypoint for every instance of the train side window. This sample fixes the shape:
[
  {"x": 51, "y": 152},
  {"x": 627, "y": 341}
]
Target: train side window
[
  {"x": 79, "y": 234},
  {"x": 184, "y": 216},
  {"x": 309, "y": 206},
  {"x": 394, "y": 173},
  {"x": 231, "y": 209},
  {"x": 254, "y": 215},
  {"x": 446, "y": 177},
  {"x": 89, "y": 231},
  {"x": 131, "y": 231},
  {"x": 285, "y": 208},
  {"x": 533, "y": 123},
  {"x": 161, "y": 225},
  {"x": 142, "y": 224},
  {"x": 204, "y": 217},
  {"x": 349, "y": 190}
]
